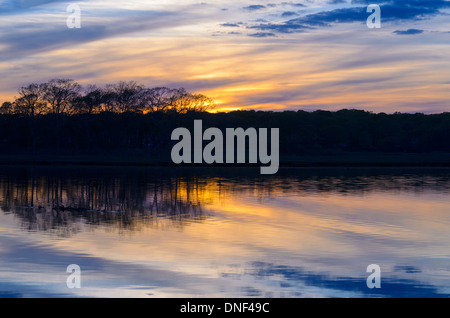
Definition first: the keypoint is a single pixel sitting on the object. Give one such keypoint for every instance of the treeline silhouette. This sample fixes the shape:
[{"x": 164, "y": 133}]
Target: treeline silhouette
[
  {"x": 61, "y": 116},
  {"x": 65, "y": 96}
]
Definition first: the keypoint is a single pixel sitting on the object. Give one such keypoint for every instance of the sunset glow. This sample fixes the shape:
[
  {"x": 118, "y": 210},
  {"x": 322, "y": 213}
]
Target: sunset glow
[{"x": 307, "y": 55}]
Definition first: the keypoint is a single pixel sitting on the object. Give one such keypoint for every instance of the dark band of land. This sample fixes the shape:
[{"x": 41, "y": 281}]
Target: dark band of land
[
  {"x": 333, "y": 160},
  {"x": 307, "y": 139}
]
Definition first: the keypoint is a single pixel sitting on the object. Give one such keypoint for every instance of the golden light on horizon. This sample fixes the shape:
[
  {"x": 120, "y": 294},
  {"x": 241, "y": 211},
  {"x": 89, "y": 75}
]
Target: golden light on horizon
[{"x": 327, "y": 68}]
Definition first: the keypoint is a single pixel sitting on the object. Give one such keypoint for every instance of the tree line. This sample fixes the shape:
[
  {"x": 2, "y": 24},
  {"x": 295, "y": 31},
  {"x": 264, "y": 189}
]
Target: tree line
[
  {"x": 61, "y": 116},
  {"x": 301, "y": 132},
  {"x": 66, "y": 96}
]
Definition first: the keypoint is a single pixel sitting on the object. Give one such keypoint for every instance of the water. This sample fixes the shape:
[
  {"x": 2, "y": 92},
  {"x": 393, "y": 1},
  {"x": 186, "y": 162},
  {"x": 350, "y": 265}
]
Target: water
[{"x": 162, "y": 232}]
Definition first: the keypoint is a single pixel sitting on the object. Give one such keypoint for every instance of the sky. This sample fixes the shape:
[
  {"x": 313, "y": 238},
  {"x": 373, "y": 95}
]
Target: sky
[{"x": 252, "y": 54}]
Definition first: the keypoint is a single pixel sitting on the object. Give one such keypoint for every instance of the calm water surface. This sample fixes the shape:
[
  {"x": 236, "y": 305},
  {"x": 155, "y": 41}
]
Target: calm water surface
[{"x": 160, "y": 232}]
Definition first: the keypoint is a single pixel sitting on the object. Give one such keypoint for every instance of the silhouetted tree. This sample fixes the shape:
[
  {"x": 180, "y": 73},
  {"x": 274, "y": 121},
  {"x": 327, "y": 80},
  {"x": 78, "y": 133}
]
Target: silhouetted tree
[
  {"x": 59, "y": 93},
  {"x": 30, "y": 102},
  {"x": 91, "y": 102},
  {"x": 123, "y": 96},
  {"x": 6, "y": 108},
  {"x": 153, "y": 99},
  {"x": 199, "y": 103}
]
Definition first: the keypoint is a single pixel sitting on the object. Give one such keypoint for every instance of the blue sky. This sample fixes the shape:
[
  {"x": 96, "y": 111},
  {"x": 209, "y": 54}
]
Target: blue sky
[{"x": 245, "y": 54}]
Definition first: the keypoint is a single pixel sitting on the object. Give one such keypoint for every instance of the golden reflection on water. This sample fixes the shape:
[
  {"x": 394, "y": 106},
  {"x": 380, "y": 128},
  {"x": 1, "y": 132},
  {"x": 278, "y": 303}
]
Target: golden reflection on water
[{"x": 226, "y": 233}]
